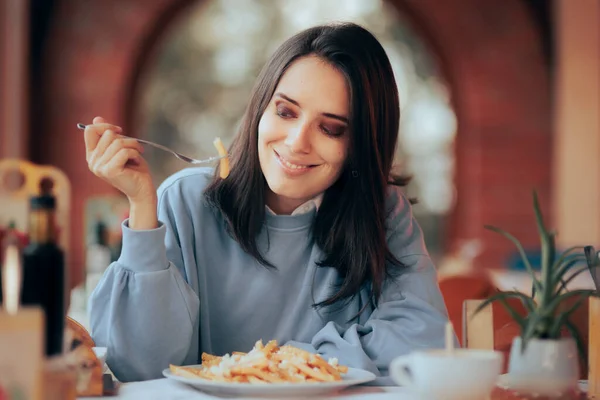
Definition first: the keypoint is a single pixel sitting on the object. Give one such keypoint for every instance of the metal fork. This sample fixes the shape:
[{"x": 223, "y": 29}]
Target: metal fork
[{"x": 176, "y": 154}]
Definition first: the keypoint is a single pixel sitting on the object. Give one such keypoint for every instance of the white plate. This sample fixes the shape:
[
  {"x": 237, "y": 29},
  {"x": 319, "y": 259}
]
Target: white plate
[{"x": 352, "y": 377}]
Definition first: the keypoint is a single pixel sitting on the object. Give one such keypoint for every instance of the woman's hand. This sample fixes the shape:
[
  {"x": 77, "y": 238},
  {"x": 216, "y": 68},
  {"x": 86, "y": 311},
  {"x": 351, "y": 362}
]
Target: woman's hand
[{"x": 118, "y": 161}]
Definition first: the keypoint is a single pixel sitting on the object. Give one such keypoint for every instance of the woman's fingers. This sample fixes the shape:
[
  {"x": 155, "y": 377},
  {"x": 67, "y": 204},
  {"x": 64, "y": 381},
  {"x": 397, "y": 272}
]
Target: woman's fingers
[
  {"x": 117, "y": 160},
  {"x": 105, "y": 140},
  {"x": 93, "y": 133},
  {"x": 107, "y": 152},
  {"x": 116, "y": 165}
]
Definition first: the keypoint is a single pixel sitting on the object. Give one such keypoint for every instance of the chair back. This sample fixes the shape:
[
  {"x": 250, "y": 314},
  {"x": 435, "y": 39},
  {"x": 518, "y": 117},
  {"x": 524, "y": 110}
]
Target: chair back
[{"x": 20, "y": 180}]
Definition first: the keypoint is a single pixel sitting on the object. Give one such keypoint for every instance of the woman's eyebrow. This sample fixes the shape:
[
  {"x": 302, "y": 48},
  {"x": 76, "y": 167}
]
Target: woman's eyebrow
[
  {"x": 285, "y": 97},
  {"x": 338, "y": 117},
  {"x": 328, "y": 115}
]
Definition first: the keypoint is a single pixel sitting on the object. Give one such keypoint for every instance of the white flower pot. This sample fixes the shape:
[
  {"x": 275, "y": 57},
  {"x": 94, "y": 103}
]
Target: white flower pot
[{"x": 546, "y": 368}]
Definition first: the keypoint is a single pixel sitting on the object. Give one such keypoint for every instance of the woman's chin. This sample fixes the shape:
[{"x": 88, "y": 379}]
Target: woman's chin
[{"x": 289, "y": 193}]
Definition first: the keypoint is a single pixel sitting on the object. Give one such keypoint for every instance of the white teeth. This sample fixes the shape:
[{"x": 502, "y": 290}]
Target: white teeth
[{"x": 290, "y": 165}]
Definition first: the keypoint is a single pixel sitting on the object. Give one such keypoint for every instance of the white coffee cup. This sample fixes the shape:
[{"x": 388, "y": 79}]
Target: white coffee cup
[{"x": 460, "y": 374}]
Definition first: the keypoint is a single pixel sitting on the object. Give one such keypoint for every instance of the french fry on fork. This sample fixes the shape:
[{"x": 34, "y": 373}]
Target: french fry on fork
[{"x": 224, "y": 162}]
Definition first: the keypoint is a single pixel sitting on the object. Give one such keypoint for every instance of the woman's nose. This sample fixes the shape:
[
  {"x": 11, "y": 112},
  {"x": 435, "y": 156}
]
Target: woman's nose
[{"x": 298, "y": 139}]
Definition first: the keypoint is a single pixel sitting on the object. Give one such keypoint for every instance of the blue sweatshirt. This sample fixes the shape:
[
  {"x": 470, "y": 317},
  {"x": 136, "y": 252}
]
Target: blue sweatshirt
[{"x": 187, "y": 287}]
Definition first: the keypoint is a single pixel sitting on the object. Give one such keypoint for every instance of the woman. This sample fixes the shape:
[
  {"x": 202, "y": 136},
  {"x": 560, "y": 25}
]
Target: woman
[{"x": 308, "y": 241}]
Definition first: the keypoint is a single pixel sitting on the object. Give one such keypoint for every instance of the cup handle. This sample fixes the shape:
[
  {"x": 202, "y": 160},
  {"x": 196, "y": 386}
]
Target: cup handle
[{"x": 398, "y": 370}]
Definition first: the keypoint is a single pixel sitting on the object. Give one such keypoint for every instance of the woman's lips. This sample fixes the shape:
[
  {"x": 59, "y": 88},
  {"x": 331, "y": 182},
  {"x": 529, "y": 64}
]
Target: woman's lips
[{"x": 290, "y": 167}]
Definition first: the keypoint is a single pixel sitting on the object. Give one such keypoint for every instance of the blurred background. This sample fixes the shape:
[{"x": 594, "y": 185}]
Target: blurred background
[{"x": 498, "y": 98}]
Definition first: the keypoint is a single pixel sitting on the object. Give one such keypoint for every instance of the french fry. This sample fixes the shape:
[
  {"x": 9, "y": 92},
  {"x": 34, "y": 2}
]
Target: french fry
[
  {"x": 264, "y": 364},
  {"x": 312, "y": 373},
  {"x": 259, "y": 373},
  {"x": 270, "y": 347},
  {"x": 185, "y": 372},
  {"x": 342, "y": 369},
  {"x": 288, "y": 377},
  {"x": 224, "y": 162},
  {"x": 209, "y": 360},
  {"x": 328, "y": 368},
  {"x": 255, "y": 380},
  {"x": 189, "y": 372}
]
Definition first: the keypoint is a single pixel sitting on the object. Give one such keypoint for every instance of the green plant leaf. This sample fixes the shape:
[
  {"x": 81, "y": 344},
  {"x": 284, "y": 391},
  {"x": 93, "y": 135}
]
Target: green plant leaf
[
  {"x": 564, "y": 255},
  {"x": 570, "y": 278},
  {"x": 536, "y": 282},
  {"x": 558, "y": 323},
  {"x": 567, "y": 264},
  {"x": 563, "y": 316},
  {"x": 548, "y": 254},
  {"x": 551, "y": 307},
  {"x": 548, "y": 251},
  {"x": 513, "y": 314},
  {"x": 527, "y": 301},
  {"x": 591, "y": 256},
  {"x": 564, "y": 263},
  {"x": 593, "y": 262},
  {"x": 539, "y": 219},
  {"x": 563, "y": 284},
  {"x": 575, "y": 334},
  {"x": 529, "y": 332}
]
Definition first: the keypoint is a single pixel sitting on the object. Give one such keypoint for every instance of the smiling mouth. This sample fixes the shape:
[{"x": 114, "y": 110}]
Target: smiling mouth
[{"x": 297, "y": 167}]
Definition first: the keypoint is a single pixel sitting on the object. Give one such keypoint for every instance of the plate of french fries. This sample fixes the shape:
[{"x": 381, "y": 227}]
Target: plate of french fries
[{"x": 268, "y": 370}]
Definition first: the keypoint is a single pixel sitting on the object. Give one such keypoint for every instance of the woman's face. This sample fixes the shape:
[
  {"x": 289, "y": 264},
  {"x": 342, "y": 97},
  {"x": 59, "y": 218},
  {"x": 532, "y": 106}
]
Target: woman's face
[{"x": 303, "y": 134}]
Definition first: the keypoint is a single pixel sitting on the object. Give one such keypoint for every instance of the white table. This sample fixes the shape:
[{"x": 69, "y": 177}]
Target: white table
[{"x": 164, "y": 389}]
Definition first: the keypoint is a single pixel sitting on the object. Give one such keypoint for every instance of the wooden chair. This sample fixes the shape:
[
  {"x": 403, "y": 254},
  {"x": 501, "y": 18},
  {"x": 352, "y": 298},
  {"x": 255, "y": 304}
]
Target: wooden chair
[
  {"x": 492, "y": 328},
  {"x": 21, "y": 179},
  {"x": 458, "y": 288},
  {"x": 488, "y": 330}
]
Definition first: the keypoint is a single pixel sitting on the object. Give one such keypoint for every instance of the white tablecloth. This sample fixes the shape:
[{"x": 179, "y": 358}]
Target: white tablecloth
[{"x": 164, "y": 389}]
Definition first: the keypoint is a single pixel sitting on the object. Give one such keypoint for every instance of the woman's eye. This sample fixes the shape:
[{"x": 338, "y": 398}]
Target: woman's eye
[
  {"x": 334, "y": 131},
  {"x": 285, "y": 112}
]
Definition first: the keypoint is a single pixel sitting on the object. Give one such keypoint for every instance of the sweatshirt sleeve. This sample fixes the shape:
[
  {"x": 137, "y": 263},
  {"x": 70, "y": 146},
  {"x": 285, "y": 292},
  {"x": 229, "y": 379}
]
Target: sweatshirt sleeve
[
  {"x": 145, "y": 309},
  {"x": 410, "y": 315}
]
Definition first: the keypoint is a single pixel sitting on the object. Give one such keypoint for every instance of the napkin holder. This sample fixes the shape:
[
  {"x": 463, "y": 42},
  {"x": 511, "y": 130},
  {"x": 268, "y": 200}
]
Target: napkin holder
[
  {"x": 77, "y": 372},
  {"x": 79, "y": 363},
  {"x": 24, "y": 370},
  {"x": 22, "y": 335}
]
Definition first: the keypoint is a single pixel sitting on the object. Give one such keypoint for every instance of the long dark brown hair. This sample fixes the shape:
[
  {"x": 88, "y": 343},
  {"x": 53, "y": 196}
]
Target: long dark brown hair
[{"x": 350, "y": 224}]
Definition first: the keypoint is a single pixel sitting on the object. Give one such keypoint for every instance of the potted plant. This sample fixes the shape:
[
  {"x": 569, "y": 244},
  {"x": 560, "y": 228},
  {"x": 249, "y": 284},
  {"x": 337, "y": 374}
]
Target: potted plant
[{"x": 543, "y": 360}]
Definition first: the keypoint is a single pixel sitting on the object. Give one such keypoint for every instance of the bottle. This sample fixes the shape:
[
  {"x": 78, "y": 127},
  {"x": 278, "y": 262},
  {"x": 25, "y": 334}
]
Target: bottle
[{"x": 44, "y": 270}]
